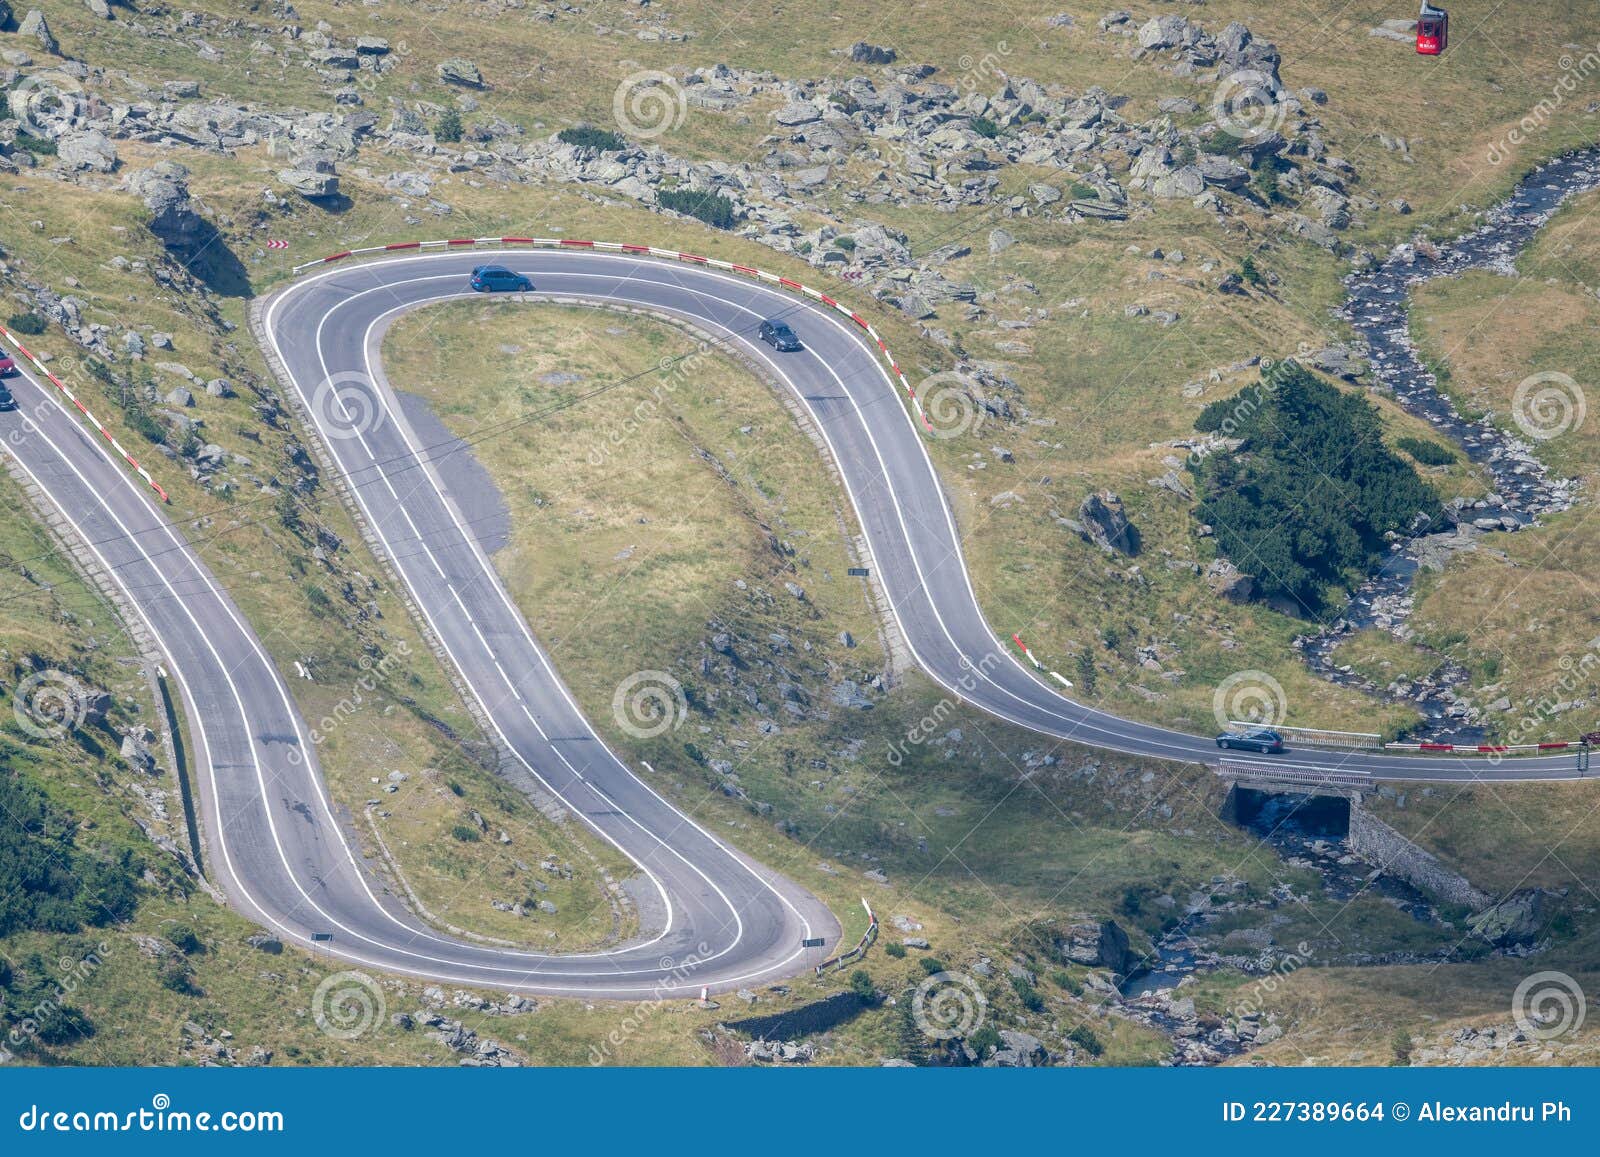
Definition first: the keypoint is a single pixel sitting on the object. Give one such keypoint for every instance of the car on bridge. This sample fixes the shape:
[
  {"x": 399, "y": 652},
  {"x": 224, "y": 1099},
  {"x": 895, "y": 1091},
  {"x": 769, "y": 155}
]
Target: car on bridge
[
  {"x": 499, "y": 279},
  {"x": 1262, "y": 739},
  {"x": 779, "y": 336}
]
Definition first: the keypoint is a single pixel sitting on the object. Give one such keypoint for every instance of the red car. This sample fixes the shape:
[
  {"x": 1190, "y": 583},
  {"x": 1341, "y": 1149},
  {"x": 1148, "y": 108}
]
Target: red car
[{"x": 7, "y": 366}]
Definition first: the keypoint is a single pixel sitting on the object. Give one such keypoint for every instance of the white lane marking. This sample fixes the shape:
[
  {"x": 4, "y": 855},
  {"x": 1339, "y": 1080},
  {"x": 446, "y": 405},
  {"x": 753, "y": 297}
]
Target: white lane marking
[
  {"x": 516, "y": 615},
  {"x": 403, "y": 427}
]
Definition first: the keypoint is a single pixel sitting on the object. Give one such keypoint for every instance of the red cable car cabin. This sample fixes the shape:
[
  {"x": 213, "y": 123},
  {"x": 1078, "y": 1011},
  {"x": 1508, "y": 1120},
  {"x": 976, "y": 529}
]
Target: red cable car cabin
[{"x": 1433, "y": 30}]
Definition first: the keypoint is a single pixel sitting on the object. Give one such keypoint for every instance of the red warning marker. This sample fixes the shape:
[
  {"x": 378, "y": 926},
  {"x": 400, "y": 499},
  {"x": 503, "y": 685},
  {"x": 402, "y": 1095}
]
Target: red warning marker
[{"x": 276, "y": 244}]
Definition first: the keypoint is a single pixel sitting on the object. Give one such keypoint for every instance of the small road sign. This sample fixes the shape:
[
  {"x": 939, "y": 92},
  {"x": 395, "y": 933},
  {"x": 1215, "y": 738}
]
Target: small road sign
[
  {"x": 813, "y": 942},
  {"x": 321, "y": 937},
  {"x": 276, "y": 244},
  {"x": 857, "y": 572}
]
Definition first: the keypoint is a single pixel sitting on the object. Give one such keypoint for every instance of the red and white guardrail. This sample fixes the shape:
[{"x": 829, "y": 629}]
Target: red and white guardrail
[
  {"x": 644, "y": 251},
  {"x": 1481, "y": 748},
  {"x": 33, "y": 359}
]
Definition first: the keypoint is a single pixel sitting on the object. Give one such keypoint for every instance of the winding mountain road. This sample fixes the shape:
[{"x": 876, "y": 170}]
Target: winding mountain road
[{"x": 277, "y": 847}]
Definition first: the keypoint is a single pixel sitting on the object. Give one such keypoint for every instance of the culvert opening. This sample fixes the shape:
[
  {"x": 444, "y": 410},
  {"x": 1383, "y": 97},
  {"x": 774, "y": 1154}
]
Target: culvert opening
[{"x": 1279, "y": 813}]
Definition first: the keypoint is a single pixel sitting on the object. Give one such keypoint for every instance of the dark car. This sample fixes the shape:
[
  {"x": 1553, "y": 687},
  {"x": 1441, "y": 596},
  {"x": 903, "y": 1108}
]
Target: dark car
[
  {"x": 1262, "y": 739},
  {"x": 7, "y": 402},
  {"x": 499, "y": 279},
  {"x": 779, "y": 336}
]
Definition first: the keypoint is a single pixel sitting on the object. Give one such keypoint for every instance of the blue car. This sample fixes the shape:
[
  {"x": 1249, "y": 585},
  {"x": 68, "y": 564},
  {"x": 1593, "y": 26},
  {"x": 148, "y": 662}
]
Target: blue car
[
  {"x": 1262, "y": 739},
  {"x": 499, "y": 279}
]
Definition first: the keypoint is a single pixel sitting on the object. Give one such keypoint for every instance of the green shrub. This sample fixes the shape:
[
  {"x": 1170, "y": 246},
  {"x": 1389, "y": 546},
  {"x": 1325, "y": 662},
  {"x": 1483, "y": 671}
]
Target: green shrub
[
  {"x": 185, "y": 939},
  {"x": 895, "y": 949},
  {"x": 984, "y": 127},
  {"x": 1027, "y": 994},
  {"x": 47, "y": 882},
  {"x": 861, "y": 984},
  {"x": 1065, "y": 980},
  {"x": 466, "y": 834},
  {"x": 38, "y": 146},
  {"x": 589, "y": 137},
  {"x": 1084, "y": 1037},
  {"x": 932, "y": 965},
  {"x": 1087, "y": 676},
  {"x": 1427, "y": 452},
  {"x": 30, "y": 324},
  {"x": 1249, "y": 272},
  {"x": 1305, "y": 503},
  {"x": 847, "y": 243},
  {"x": 449, "y": 127},
  {"x": 985, "y": 1040},
  {"x": 712, "y": 208}
]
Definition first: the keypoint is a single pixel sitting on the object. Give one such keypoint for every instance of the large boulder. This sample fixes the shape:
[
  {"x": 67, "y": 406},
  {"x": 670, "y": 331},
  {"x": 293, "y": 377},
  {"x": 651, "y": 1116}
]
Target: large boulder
[
  {"x": 87, "y": 150},
  {"x": 1019, "y": 1050},
  {"x": 459, "y": 70},
  {"x": 863, "y": 53},
  {"x": 1106, "y": 524},
  {"x": 1223, "y": 171},
  {"x": 1184, "y": 182},
  {"x": 98, "y": 8},
  {"x": 37, "y": 28},
  {"x": 1229, "y": 581},
  {"x": 310, "y": 183},
  {"x": 173, "y": 217},
  {"x": 1521, "y": 918},
  {"x": 1097, "y": 944}
]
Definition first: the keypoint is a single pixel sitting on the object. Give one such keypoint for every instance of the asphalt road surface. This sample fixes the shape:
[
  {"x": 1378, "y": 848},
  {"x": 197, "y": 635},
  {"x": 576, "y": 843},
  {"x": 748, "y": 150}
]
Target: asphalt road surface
[{"x": 275, "y": 843}]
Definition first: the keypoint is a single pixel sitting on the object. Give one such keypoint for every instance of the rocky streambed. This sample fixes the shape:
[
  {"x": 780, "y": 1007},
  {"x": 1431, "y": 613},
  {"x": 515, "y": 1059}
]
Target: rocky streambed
[{"x": 1377, "y": 308}]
